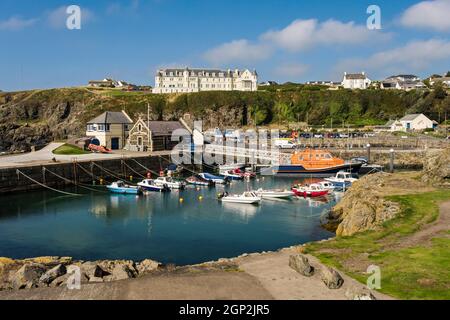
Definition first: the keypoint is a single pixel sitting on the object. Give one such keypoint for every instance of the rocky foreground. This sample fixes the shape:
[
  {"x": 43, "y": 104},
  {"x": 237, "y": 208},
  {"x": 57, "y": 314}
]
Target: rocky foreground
[
  {"x": 283, "y": 275},
  {"x": 56, "y": 271}
]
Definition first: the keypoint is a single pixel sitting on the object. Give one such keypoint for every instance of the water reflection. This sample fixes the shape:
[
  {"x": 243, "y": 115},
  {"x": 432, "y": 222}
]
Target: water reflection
[{"x": 245, "y": 212}]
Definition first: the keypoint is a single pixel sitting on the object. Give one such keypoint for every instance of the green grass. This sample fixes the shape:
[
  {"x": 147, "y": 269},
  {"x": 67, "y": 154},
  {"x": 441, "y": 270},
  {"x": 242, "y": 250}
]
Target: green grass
[
  {"x": 68, "y": 149},
  {"x": 120, "y": 93},
  {"x": 418, "y": 272}
]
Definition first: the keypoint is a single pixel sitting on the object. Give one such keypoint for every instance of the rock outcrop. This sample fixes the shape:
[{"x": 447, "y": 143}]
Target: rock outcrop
[
  {"x": 55, "y": 271},
  {"x": 362, "y": 208},
  {"x": 301, "y": 264},
  {"x": 436, "y": 168},
  {"x": 331, "y": 277}
]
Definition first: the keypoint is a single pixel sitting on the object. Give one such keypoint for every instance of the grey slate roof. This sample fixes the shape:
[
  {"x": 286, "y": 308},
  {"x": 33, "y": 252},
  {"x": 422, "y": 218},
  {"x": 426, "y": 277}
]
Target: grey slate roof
[
  {"x": 354, "y": 76},
  {"x": 389, "y": 123},
  {"x": 164, "y": 127},
  {"x": 111, "y": 118},
  {"x": 410, "y": 117},
  {"x": 202, "y": 72}
]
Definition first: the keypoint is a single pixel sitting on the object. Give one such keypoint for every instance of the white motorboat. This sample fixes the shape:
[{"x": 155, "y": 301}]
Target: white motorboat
[
  {"x": 342, "y": 180},
  {"x": 170, "y": 182},
  {"x": 274, "y": 194},
  {"x": 327, "y": 185},
  {"x": 249, "y": 197},
  {"x": 150, "y": 185}
]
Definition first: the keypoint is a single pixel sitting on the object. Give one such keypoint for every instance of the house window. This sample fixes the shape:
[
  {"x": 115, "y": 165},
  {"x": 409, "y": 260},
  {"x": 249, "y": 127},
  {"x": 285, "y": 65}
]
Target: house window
[{"x": 103, "y": 127}]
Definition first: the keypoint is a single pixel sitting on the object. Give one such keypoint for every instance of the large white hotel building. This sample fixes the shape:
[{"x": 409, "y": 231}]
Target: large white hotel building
[{"x": 195, "y": 80}]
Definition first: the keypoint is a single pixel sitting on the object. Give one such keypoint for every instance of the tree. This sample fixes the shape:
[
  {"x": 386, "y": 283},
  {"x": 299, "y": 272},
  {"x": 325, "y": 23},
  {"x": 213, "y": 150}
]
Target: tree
[{"x": 447, "y": 74}]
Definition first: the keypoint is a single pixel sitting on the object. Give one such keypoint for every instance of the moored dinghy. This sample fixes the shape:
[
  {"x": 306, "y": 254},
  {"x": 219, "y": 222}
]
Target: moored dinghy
[
  {"x": 199, "y": 181},
  {"x": 122, "y": 188},
  {"x": 248, "y": 197},
  {"x": 170, "y": 182},
  {"x": 274, "y": 194},
  {"x": 327, "y": 185},
  {"x": 342, "y": 180},
  {"x": 214, "y": 178},
  {"x": 310, "y": 190},
  {"x": 150, "y": 185}
]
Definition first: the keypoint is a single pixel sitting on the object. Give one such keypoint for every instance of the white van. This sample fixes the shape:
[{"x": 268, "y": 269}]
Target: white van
[{"x": 285, "y": 144}]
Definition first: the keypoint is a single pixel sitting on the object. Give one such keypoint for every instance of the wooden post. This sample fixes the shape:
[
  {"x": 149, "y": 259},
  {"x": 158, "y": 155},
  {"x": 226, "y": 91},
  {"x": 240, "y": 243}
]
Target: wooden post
[{"x": 391, "y": 161}]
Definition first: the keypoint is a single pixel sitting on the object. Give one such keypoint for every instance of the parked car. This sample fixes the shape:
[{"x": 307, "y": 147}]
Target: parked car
[{"x": 285, "y": 144}]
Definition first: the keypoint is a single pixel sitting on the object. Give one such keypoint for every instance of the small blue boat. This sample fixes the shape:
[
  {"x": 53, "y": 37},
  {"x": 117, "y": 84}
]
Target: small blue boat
[
  {"x": 213, "y": 178},
  {"x": 122, "y": 188}
]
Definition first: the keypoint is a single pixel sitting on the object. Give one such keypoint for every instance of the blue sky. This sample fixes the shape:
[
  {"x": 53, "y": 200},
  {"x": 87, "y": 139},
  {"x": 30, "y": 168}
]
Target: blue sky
[{"x": 284, "y": 40}]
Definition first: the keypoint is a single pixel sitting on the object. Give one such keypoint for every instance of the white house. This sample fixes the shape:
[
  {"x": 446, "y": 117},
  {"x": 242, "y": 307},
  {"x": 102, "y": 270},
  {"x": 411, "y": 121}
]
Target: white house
[
  {"x": 110, "y": 129},
  {"x": 416, "y": 122},
  {"x": 405, "y": 82},
  {"x": 394, "y": 125},
  {"x": 356, "y": 81},
  {"x": 195, "y": 80},
  {"x": 443, "y": 80}
]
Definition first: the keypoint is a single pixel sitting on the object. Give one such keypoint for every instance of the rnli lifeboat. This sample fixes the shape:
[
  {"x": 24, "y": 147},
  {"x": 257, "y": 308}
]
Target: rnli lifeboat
[{"x": 314, "y": 162}]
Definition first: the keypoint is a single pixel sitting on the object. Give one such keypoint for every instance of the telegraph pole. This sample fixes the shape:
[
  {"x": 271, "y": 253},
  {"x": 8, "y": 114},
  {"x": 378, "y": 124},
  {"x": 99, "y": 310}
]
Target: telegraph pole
[{"x": 148, "y": 125}]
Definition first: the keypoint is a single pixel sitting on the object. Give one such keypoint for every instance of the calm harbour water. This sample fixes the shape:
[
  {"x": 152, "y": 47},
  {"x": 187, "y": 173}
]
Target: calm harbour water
[{"x": 156, "y": 226}]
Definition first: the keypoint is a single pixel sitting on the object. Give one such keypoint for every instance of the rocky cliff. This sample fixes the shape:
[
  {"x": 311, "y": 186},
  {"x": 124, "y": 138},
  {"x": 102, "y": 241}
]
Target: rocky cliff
[
  {"x": 363, "y": 207},
  {"x": 37, "y": 117}
]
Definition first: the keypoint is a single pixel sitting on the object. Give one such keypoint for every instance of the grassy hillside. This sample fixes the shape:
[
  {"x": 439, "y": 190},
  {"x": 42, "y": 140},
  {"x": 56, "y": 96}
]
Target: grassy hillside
[{"x": 42, "y": 115}]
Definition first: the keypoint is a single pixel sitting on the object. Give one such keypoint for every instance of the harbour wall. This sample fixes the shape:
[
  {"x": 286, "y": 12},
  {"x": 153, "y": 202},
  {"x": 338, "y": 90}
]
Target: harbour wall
[
  {"x": 133, "y": 169},
  {"x": 86, "y": 172}
]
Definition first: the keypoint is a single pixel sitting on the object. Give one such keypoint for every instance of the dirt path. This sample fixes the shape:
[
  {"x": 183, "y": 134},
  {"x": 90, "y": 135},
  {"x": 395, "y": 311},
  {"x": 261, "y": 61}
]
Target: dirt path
[
  {"x": 257, "y": 276},
  {"x": 429, "y": 231}
]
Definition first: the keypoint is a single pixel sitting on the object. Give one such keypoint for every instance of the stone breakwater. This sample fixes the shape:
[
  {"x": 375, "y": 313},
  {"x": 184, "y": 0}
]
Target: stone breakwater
[{"x": 53, "y": 271}]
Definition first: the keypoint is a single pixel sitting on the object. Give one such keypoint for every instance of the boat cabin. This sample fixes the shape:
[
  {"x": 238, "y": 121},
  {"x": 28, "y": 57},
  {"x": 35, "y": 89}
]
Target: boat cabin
[
  {"x": 344, "y": 175},
  {"x": 312, "y": 158}
]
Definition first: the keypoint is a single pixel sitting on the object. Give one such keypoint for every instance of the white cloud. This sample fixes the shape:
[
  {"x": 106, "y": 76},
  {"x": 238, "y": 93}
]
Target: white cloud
[
  {"x": 237, "y": 51},
  {"x": 413, "y": 57},
  {"x": 57, "y": 18},
  {"x": 16, "y": 23},
  {"x": 291, "y": 70},
  {"x": 300, "y": 35},
  {"x": 428, "y": 14},
  {"x": 305, "y": 34}
]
